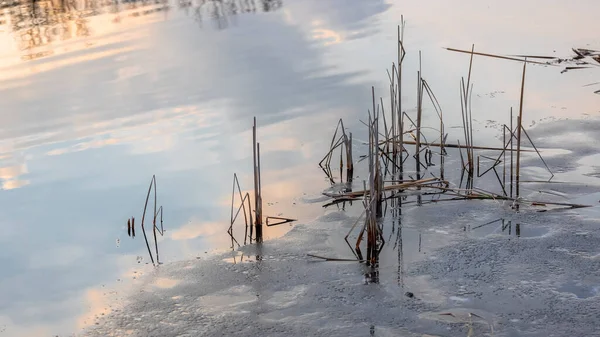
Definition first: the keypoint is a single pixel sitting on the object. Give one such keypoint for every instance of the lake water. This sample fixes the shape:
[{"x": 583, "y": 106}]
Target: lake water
[{"x": 170, "y": 90}]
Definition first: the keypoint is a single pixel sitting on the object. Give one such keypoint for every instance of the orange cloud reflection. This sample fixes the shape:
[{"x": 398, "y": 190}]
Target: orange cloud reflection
[
  {"x": 98, "y": 305},
  {"x": 10, "y": 176},
  {"x": 196, "y": 229}
]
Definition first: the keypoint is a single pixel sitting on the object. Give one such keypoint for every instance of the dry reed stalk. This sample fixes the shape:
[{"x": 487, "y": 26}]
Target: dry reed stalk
[
  {"x": 385, "y": 129},
  {"x": 154, "y": 228},
  {"x": 462, "y": 159},
  {"x": 281, "y": 222},
  {"x": 538, "y": 153},
  {"x": 345, "y": 142},
  {"x": 519, "y": 128},
  {"x": 495, "y": 56},
  {"x": 255, "y": 168},
  {"x": 378, "y": 179},
  {"x": 516, "y": 201},
  {"x": 367, "y": 192},
  {"x": 393, "y": 109},
  {"x": 247, "y": 213},
  {"x": 536, "y": 57},
  {"x": 419, "y": 117},
  {"x": 257, "y": 185},
  {"x": 259, "y": 214},
  {"x": 349, "y": 160},
  {"x": 367, "y": 207},
  {"x": 334, "y": 259},
  {"x": 440, "y": 114},
  {"x": 458, "y": 146},
  {"x": 465, "y": 121},
  {"x": 327, "y": 158},
  {"x": 471, "y": 127},
  {"x": 372, "y": 147},
  {"x": 511, "y": 152},
  {"x": 401, "y": 55},
  {"x": 497, "y": 162},
  {"x": 504, "y": 154},
  {"x": 144, "y": 217},
  {"x": 154, "y": 224},
  {"x": 355, "y": 224},
  {"x": 372, "y": 181}
]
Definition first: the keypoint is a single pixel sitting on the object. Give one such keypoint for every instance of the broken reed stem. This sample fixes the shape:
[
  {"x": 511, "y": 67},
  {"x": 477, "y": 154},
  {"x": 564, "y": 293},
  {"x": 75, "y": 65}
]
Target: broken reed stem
[
  {"x": 401, "y": 54},
  {"x": 458, "y": 146},
  {"x": 257, "y": 198},
  {"x": 511, "y": 152},
  {"x": 387, "y": 135},
  {"x": 334, "y": 259},
  {"x": 247, "y": 213},
  {"x": 248, "y": 226},
  {"x": 393, "y": 110},
  {"x": 342, "y": 162},
  {"x": 438, "y": 110},
  {"x": 463, "y": 102},
  {"x": 470, "y": 68},
  {"x": 232, "y": 203},
  {"x": 259, "y": 214},
  {"x": 419, "y": 116},
  {"x": 467, "y": 116},
  {"x": 344, "y": 141},
  {"x": 327, "y": 158},
  {"x": 462, "y": 159},
  {"x": 471, "y": 129},
  {"x": 367, "y": 192},
  {"x": 495, "y": 56},
  {"x": 349, "y": 164},
  {"x": 378, "y": 180},
  {"x": 519, "y": 127},
  {"x": 361, "y": 233},
  {"x": 373, "y": 181},
  {"x": 255, "y": 167},
  {"x": 538, "y": 153},
  {"x": 144, "y": 218},
  {"x": 154, "y": 224},
  {"x": 504, "y": 157},
  {"x": 441, "y": 144}
]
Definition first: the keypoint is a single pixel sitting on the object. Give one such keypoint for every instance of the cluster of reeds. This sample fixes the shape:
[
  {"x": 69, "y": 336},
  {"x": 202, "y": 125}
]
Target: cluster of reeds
[
  {"x": 386, "y": 157},
  {"x": 344, "y": 142},
  {"x": 253, "y": 219},
  {"x": 158, "y": 215}
]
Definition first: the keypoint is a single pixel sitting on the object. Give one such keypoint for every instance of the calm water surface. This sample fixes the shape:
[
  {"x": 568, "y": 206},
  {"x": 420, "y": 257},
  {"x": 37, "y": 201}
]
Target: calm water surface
[{"x": 87, "y": 119}]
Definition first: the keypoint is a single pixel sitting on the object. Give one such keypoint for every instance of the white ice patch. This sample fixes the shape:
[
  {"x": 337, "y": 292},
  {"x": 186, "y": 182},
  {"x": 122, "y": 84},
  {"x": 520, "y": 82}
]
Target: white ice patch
[
  {"x": 459, "y": 299},
  {"x": 285, "y": 299},
  {"x": 227, "y": 301}
]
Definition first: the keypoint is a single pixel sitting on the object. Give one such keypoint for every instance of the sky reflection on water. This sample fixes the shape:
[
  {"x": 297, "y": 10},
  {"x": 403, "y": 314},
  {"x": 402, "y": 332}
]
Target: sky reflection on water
[{"x": 84, "y": 128}]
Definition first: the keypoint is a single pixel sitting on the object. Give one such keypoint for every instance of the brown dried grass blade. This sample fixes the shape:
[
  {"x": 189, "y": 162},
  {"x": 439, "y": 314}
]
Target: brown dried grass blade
[
  {"x": 334, "y": 259},
  {"x": 495, "y": 56}
]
